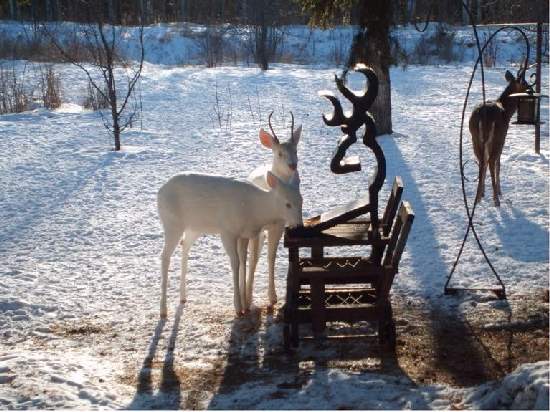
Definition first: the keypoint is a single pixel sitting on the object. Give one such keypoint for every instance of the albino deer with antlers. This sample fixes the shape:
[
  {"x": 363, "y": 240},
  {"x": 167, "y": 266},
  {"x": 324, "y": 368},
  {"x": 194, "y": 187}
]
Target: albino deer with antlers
[
  {"x": 285, "y": 167},
  {"x": 488, "y": 126}
]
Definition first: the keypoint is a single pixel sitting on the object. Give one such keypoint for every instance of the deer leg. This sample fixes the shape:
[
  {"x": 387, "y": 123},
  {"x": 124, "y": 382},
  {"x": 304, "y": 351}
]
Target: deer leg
[
  {"x": 273, "y": 237},
  {"x": 171, "y": 238},
  {"x": 481, "y": 181},
  {"x": 188, "y": 240},
  {"x": 498, "y": 176},
  {"x": 230, "y": 245},
  {"x": 492, "y": 170},
  {"x": 242, "y": 249},
  {"x": 254, "y": 249}
]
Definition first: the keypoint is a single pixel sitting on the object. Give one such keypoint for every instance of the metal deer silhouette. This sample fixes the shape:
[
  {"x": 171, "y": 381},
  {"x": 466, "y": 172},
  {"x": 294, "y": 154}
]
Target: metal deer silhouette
[{"x": 350, "y": 125}]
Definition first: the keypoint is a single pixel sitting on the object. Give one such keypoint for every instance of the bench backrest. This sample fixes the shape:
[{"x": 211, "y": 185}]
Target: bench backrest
[
  {"x": 391, "y": 207},
  {"x": 399, "y": 234}
]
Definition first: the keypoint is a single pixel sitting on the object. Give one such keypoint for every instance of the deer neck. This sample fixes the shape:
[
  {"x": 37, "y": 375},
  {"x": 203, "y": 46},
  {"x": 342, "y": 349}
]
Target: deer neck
[
  {"x": 281, "y": 172},
  {"x": 508, "y": 103},
  {"x": 268, "y": 209}
]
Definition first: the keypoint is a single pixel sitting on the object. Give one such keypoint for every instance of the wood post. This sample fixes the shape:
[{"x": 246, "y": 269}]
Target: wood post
[
  {"x": 537, "y": 86},
  {"x": 318, "y": 306},
  {"x": 317, "y": 253}
]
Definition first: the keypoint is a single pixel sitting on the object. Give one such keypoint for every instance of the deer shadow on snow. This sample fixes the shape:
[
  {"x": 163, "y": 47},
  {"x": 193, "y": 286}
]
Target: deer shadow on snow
[{"x": 168, "y": 395}]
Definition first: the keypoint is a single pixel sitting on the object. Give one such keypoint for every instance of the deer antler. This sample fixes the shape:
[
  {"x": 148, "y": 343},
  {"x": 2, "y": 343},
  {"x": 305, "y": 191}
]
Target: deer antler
[
  {"x": 292, "y": 125},
  {"x": 271, "y": 127}
]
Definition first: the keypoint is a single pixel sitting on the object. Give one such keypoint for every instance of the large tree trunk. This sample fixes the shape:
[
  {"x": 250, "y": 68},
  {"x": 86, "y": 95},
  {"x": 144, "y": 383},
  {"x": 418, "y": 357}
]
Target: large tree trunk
[{"x": 371, "y": 45}]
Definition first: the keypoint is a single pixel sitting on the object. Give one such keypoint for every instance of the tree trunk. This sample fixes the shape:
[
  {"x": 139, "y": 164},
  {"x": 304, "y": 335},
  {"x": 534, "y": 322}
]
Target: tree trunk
[
  {"x": 371, "y": 45},
  {"x": 465, "y": 18},
  {"x": 13, "y": 9},
  {"x": 111, "y": 11},
  {"x": 49, "y": 11},
  {"x": 261, "y": 38},
  {"x": 114, "y": 114},
  {"x": 183, "y": 14},
  {"x": 144, "y": 10},
  {"x": 34, "y": 10}
]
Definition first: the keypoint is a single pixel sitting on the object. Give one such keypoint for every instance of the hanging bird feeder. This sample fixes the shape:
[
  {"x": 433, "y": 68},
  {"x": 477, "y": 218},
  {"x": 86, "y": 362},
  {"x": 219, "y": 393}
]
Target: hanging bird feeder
[{"x": 528, "y": 107}]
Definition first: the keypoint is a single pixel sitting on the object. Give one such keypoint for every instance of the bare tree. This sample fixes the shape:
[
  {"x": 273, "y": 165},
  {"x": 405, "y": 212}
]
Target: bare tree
[{"x": 99, "y": 58}]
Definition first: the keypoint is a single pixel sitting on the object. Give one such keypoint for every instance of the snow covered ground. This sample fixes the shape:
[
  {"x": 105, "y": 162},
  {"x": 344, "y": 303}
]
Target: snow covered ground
[{"x": 80, "y": 240}]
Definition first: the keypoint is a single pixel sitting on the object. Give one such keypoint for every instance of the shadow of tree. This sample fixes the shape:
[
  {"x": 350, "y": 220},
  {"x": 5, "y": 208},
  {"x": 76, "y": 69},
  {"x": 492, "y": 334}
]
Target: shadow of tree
[
  {"x": 518, "y": 235},
  {"x": 423, "y": 239}
]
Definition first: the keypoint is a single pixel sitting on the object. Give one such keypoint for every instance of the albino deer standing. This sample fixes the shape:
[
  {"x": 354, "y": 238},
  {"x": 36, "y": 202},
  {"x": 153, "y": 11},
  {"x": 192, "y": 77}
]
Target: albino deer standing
[
  {"x": 192, "y": 204},
  {"x": 488, "y": 126},
  {"x": 285, "y": 167}
]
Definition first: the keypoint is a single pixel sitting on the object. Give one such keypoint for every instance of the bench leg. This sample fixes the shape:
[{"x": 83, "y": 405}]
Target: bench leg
[
  {"x": 386, "y": 328},
  {"x": 318, "y": 319}
]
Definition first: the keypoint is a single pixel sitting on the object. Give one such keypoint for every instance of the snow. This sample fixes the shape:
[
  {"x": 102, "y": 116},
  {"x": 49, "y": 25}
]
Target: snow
[
  {"x": 526, "y": 388},
  {"x": 80, "y": 239},
  {"x": 185, "y": 43}
]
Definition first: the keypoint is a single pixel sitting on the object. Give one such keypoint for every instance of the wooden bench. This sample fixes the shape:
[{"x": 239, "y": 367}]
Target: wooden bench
[{"x": 324, "y": 289}]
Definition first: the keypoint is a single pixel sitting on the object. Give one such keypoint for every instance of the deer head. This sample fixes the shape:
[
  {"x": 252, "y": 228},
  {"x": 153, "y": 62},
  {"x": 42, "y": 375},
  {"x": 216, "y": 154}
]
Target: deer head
[
  {"x": 285, "y": 156},
  {"x": 516, "y": 84}
]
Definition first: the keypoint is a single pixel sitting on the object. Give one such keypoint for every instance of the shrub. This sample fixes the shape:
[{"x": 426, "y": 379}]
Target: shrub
[
  {"x": 435, "y": 46},
  {"x": 94, "y": 100},
  {"x": 50, "y": 87},
  {"x": 14, "y": 97}
]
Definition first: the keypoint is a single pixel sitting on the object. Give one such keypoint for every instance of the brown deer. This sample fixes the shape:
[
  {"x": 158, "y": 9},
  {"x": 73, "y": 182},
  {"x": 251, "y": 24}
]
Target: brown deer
[{"x": 488, "y": 126}]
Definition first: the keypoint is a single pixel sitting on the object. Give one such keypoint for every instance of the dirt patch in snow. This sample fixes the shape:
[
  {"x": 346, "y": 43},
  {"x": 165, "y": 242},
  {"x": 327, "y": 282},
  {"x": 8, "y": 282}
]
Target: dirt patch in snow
[
  {"x": 490, "y": 341},
  {"x": 434, "y": 346}
]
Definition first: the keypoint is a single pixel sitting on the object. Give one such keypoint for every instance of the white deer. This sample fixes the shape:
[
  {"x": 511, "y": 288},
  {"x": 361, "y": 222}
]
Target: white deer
[
  {"x": 191, "y": 204},
  {"x": 284, "y": 166},
  {"x": 488, "y": 126}
]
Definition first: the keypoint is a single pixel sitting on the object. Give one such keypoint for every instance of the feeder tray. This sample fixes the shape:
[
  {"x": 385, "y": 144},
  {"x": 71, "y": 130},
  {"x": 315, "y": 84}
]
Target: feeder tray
[
  {"x": 528, "y": 108},
  {"x": 499, "y": 292}
]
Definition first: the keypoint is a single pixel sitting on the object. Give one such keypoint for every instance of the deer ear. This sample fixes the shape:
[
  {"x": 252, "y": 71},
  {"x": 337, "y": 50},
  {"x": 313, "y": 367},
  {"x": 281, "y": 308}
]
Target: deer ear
[
  {"x": 266, "y": 139},
  {"x": 296, "y": 135},
  {"x": 272, "y": 180},
  {"x": 509, "y": 76}
]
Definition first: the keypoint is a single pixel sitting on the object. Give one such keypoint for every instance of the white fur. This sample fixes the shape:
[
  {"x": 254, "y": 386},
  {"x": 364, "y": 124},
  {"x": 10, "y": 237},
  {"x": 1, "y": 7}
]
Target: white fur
[
  {"x": 191, "y": 204},
  {"x": 284, "y": 158}
]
